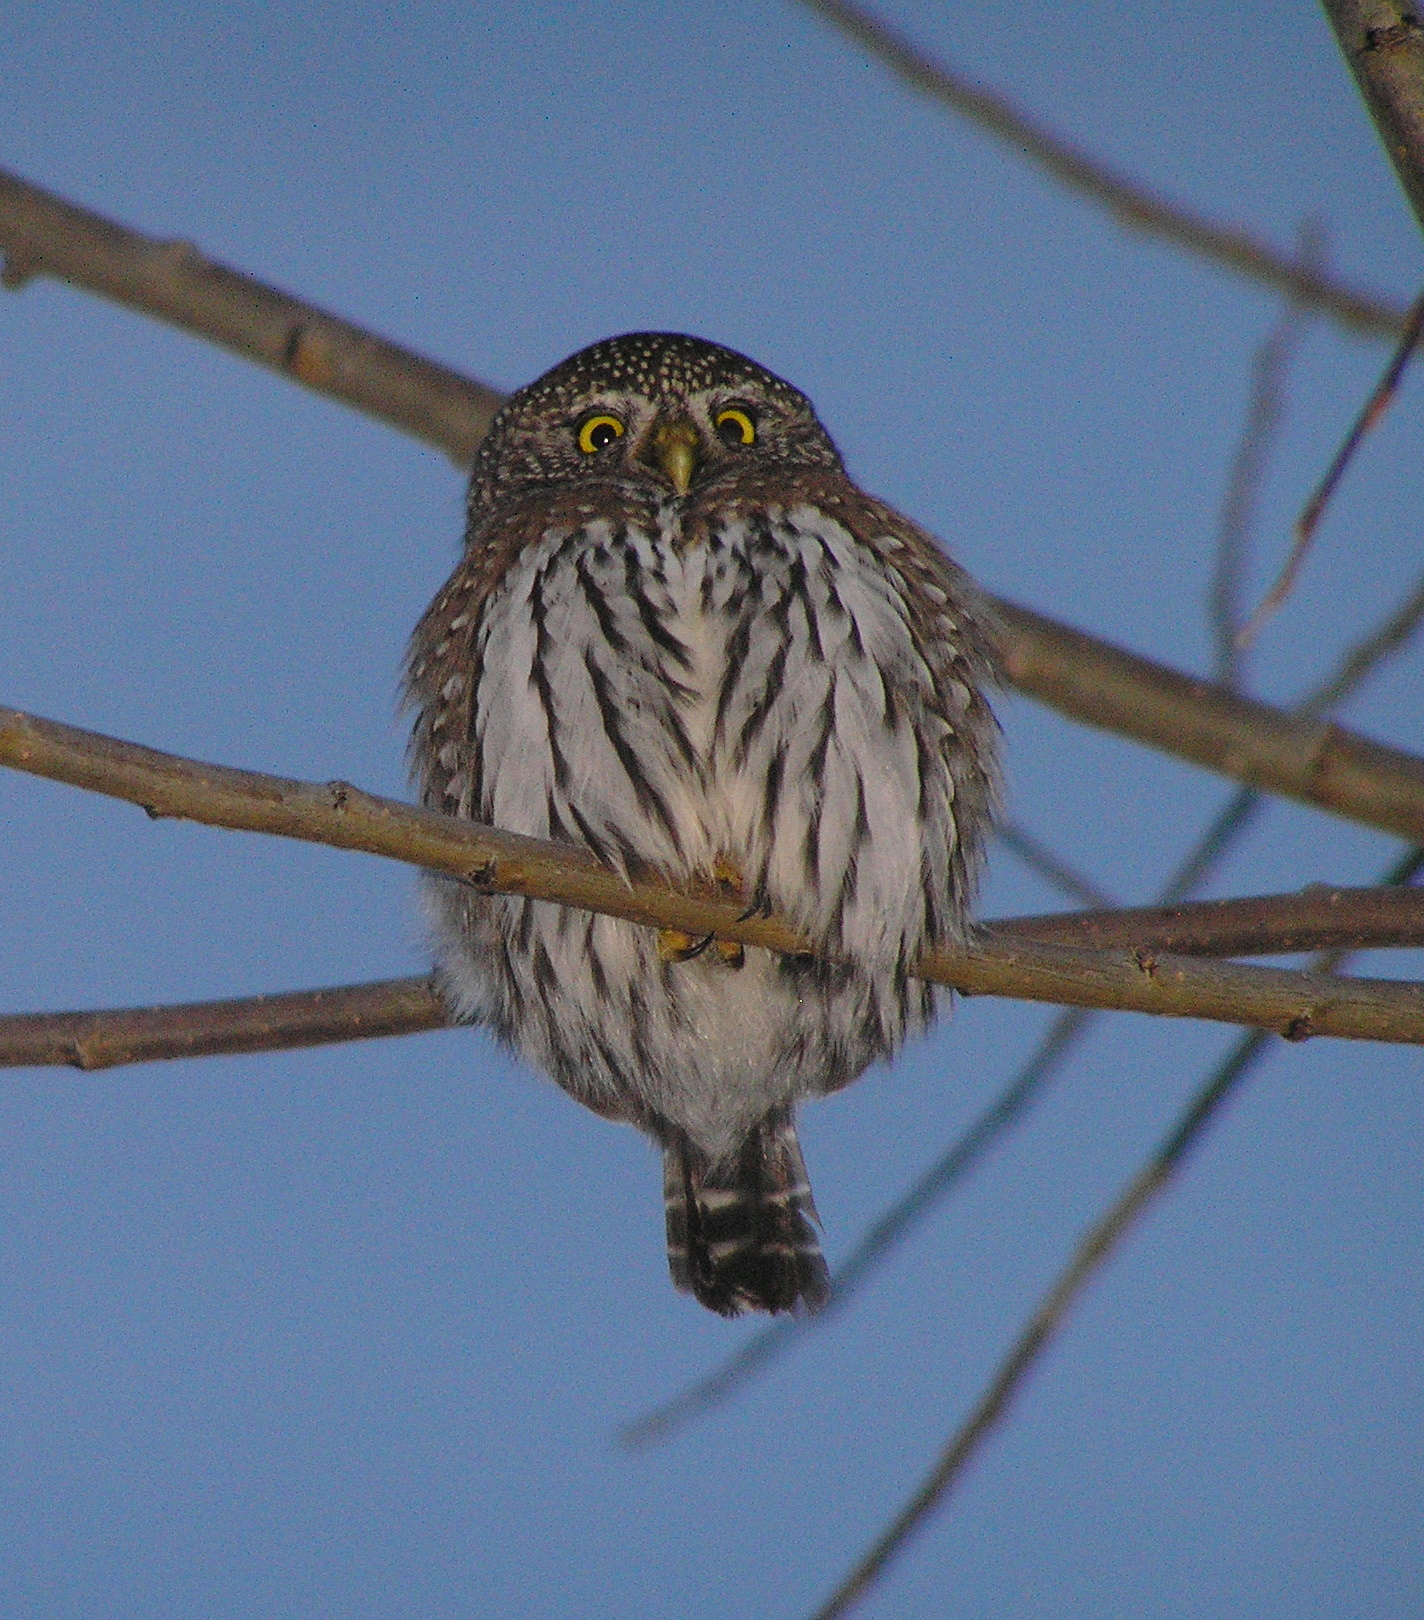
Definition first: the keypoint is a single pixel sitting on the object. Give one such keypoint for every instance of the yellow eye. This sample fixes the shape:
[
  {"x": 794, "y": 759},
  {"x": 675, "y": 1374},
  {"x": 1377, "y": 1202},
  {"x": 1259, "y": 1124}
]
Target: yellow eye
[
  {"x": 598, "y": 432},
  {"x": 735, "y": 427}
]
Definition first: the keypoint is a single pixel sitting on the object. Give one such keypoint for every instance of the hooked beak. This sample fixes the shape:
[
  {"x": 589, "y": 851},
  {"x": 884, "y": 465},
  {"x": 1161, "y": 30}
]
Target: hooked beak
[{"x": 675, "y": 449}]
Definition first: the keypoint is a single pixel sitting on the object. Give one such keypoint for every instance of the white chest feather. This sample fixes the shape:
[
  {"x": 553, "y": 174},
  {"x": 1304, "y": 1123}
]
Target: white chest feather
[{"x": 756, "y": 700}]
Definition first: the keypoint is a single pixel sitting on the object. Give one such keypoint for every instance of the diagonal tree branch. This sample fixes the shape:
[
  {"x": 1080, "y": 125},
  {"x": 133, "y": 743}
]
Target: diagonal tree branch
[
  {"x": 1043, "y": 1326},
  {"x": 1297, "y": 756},
  {"x": 41, "y": 234},
  {"x": 337, "y": 814},
  {"x": 1040, "y": 859},
  {"x": 1383, "y": 41},
  {"x": 1133, "y": 204}
]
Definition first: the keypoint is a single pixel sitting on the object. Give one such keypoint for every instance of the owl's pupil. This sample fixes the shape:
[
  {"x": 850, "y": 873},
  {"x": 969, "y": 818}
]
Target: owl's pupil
[
  {"x": 735, "y": 428},
  {"x": 602, "y": 434}
]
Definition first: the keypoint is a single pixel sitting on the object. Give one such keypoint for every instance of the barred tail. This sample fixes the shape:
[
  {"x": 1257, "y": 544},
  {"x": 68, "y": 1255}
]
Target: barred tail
[{"x": 740, "y": 1233}]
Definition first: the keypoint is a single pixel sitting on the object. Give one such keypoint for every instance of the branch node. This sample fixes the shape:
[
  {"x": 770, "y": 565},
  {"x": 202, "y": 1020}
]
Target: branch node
[
  {"x": 16, "y": 272},
  {"x": 1325, "y": 743},
  {"x": 177, "y": 254},
  {"x": 339, "y": 794},
  {"x": 308, "y": 356},
  {"x": 1394, "y": 38},
  {"x": 1146, "y": 961},
  {"x": 1299, "y": 1029}
]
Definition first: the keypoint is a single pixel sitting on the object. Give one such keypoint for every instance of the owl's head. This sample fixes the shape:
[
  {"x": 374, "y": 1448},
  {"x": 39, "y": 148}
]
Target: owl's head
[{"x": 652, "y": 409}]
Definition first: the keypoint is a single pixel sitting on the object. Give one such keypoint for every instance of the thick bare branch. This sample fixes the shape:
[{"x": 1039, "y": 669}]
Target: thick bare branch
[
  {"x": 104, "y": 1040},
  {"x": 1298, "y": 757},
  {"x": 1383, "y": 41},
  {"x": 1262, "y": 925},
  {"x": 1319, "y": 918},
  {"x": 342, "y": 816},
  {"x": 41, "y": 234},
  {"x": 1133, "y": 204}
]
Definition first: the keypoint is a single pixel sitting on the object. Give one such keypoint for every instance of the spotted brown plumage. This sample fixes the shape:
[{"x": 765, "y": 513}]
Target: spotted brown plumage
[{"x": 681, "y": 637}]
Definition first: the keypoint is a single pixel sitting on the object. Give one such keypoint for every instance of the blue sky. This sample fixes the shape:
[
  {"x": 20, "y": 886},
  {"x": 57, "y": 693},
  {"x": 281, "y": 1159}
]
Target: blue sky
[{"x": 348, "y": 1332}]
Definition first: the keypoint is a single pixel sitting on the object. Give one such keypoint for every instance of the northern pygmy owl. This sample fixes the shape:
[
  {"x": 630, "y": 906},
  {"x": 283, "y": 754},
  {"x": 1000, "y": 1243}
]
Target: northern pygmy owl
[{"x": 682, "y": 638}]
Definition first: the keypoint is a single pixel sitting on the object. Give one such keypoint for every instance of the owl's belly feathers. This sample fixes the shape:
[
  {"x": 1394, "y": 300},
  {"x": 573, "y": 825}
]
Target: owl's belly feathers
[{"x": 751, "y": 706}]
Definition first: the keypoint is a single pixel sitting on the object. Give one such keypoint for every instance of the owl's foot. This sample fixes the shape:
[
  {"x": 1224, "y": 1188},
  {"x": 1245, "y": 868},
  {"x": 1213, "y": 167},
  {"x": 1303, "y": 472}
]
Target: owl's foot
[
  {"x": 728, "y": 875},
  {"x": 674, "y": 945},
  {"x": 732, "y": 883}
]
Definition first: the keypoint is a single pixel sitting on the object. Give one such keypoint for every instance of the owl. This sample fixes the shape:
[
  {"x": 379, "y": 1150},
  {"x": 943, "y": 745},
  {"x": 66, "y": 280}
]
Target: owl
[{"x": 682, "y": 638}]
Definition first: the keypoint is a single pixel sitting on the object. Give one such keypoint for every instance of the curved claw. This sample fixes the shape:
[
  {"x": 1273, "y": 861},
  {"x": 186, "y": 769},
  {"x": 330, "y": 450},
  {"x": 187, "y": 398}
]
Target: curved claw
[{"x": 676, "y": 946}]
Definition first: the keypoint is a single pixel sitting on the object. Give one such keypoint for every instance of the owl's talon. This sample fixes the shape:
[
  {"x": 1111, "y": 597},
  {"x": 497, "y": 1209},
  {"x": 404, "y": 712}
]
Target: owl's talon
[
  {"x": 676, "y": 946},
  {"x": 731, "y": 952},
  {"x": 760, "y": 908}
]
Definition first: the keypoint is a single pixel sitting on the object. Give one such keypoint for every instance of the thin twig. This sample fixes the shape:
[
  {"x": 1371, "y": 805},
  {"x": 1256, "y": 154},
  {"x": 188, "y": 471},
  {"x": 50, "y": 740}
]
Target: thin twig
[
  {"x": 1309, "y": 520},
  {"x": 1132, "y": 203},
  {"x": 1225, "y": 829},
  {"x": 1042, "y": 1327},
  {"x": 1237, "y": 518},
  {"x": 1039, "y": 858},
  {"x": 1046, "y": 1322},
  {"x": 1366, "y": 656}
]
